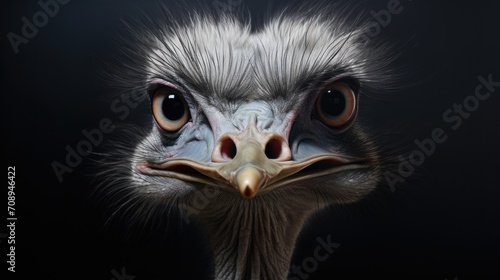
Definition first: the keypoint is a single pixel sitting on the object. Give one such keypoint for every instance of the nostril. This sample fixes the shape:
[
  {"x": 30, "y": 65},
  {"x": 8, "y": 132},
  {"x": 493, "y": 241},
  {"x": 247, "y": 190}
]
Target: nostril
[
  {"x": 274, "y": 148},
  {"x": 228, "y": 149}
]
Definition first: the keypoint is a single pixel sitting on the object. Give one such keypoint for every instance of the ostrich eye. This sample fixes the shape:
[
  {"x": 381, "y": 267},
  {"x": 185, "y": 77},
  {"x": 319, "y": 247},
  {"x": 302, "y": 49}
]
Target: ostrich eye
[
  {"x": 336, "y": 105},
  {"x": 170, "y": 110}
]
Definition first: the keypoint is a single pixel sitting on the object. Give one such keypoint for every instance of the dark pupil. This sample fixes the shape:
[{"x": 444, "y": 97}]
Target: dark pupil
[
  {"x": 333, "y": 103},
  {"x": 173, "y": 107}
]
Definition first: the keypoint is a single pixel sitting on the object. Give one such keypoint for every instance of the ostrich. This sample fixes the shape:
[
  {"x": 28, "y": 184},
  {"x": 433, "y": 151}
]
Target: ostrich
[{"x": 261, "y": 122}]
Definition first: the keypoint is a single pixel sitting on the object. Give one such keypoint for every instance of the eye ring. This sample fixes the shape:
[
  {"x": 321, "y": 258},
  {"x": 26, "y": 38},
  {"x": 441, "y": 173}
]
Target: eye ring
[
  {"x": 336, "y": 105},
  {"x": 170, "y": 109}
]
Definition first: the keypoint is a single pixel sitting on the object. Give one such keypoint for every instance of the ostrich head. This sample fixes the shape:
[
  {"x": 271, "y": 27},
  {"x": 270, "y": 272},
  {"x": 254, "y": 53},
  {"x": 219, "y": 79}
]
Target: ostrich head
[{"x": 262, "y": 122}]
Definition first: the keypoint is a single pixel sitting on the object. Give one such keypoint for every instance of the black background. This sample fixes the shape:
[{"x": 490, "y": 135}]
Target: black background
[{"x": 441, "y": 223}]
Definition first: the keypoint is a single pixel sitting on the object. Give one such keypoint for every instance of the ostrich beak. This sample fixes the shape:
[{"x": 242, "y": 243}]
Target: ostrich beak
[
  {"x": 251, "y": 162},
  {"x": 256, "y": 160}
]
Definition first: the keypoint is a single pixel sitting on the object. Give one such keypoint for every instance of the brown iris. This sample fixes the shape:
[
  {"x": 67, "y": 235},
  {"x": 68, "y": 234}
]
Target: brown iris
[
  {"x": 336, "y": 105},
  {"x": 170, "y": 110}
]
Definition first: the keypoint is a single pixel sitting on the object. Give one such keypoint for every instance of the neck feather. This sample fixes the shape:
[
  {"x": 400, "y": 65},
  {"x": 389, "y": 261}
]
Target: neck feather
[{"x": 255, "y": 238}]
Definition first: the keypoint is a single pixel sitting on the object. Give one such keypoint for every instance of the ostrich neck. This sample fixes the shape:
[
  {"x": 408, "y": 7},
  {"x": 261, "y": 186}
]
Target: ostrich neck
[{"x": 254, "y": 239}]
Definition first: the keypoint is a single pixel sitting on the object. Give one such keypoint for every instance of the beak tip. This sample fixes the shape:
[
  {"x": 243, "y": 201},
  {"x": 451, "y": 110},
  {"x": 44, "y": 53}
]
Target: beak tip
[
  {"x": 248, "y": 192},
  {"x": 249, "y": 180}
]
